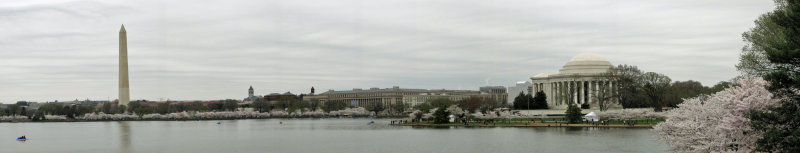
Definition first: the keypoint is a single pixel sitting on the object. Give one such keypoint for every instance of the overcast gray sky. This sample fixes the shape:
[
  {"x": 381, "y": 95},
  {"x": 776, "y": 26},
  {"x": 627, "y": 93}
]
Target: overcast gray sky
[{"x": 204, "y": 50}]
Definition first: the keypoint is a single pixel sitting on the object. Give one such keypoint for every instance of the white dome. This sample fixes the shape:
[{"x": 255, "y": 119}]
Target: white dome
[
  {"x": 586, "y": 63},
  {"x": 588, "y": 57}
]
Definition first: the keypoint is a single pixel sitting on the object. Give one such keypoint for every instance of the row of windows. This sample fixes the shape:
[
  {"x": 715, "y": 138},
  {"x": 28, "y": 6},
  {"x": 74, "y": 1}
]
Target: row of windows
[{"x": 369, "y": 95}]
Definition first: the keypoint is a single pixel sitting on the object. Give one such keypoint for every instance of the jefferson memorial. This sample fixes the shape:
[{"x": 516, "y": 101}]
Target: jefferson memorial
[{"x": 581, "y": 77}]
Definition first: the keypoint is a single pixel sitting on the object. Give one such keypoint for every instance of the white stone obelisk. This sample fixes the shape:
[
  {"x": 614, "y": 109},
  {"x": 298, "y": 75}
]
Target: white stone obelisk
[{"x": 124, "y": 92}]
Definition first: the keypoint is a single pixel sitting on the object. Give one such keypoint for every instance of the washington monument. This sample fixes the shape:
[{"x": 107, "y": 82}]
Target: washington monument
[{"x": 124, "y": 92}]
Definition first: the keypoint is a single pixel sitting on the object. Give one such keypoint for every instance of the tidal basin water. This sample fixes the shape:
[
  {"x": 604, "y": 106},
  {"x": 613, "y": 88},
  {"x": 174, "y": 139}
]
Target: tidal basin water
[{"x": 313, "y": 135}]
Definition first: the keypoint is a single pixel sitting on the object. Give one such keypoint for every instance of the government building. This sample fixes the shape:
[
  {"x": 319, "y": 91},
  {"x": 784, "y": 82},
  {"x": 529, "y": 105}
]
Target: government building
[
  {"x": 389, "y": 96},
  {"x": 579, "y": 80}
]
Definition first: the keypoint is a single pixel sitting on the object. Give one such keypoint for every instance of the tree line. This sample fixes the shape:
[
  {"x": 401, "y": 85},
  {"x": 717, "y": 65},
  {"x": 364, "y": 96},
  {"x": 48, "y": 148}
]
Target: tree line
[
  {"x": 292, "y": 105},
  {"x": 633, "y": 88},
  {"x": 472, "y": 104},
  {"x": 528, "y": 101},
  {"x": 70, "y": 111}
]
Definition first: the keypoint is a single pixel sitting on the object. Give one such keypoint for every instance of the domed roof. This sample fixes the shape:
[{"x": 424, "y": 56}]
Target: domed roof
[
  {"x": 586, "y": 63},
  {"x": 543, "y": 75}
]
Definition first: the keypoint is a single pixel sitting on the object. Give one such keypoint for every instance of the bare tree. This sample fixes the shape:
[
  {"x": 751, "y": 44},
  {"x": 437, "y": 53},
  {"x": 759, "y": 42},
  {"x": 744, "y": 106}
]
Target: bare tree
[
  {"x": 627, "y": 86},
  {"x": 605, "y": 96},
  {"x": 655, "y": 86}
]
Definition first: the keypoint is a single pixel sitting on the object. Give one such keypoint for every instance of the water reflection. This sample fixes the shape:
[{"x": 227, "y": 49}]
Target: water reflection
[
  {"x": 307, "y": 135},
  {"x": 575, "y": 129},
  {"x": 125, "y": 136}
]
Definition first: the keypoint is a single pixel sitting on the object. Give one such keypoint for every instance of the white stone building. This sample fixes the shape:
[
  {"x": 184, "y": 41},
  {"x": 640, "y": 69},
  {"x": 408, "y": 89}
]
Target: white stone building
[
  {"x": 579, "y": 80},
  {"x": 454, "y": 95},
  {"x": 513, "y": 91}
]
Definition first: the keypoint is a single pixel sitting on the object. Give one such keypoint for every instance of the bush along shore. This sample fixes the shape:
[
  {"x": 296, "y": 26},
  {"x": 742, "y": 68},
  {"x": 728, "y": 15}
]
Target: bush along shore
[
  {"x": 455, "y": 116},
  {"x": 195, "y": 115}
]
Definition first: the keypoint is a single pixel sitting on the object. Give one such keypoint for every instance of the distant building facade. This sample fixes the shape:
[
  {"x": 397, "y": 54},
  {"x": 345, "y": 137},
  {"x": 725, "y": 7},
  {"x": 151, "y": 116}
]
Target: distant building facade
[
  {"x": 521, "y": 87},
  {"x": 453, "y": 95},
  {"x": 412, "y": 97},
  {"x": 497, "y": 94},
  {"x": 362, "y": 98}
]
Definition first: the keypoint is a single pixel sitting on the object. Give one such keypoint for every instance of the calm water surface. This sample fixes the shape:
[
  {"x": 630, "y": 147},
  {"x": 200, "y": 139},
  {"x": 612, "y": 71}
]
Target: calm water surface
[{"x": 313, "y": 135}]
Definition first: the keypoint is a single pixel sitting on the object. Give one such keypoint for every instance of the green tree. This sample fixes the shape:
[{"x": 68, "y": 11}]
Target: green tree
[
  {"x": 530, "y": 102},
  {"x": 441, "y": 102},
  {"x": 399, "y": 107},
  {"x": 294, "y": 105},
  {"x": 780, "y": 46},
  {"x": 333, "y": 106},
  {"x": 39, "y": 116},
  {"x": 163, "y": 108},
  {"x": 424, "y": 107},
  {"x": 69, "y": 111},
  {"x": 141, "y": 111},
  {"x": 282, "y": 103},
  {"x": 51, "y": 109},
  {"x": 115, "y": 109},
  {"x": 540, "y": 101},
  {"x": 303, "y": 105},
  {"x": 132, "y": 106},
  {"x": 722, "y": 85},
  {"x": 375, "y": 107},
  {"x": 441, "y": 116},
  {"x": 107, "y": 108},
  {"x": 573, "y": 113},
  {"x": 216, "y": 106},
  {"x": 24, "y": 112},
  {"x": 193, "y": 106},
  {"x": 585, "y": 106},
  {"x": 197, "y": 106},
  {"x": 521, "y": 101},
  {"x": 87, "y": 109},
  {"x": 655, "y": 86},
  {"x": 13, "y": 109},
  {"x": 121, "y": 108},
  {"x": 767, "y": 34},
  {"x": 262, "y": 105},
  {"x": 680, "y": 90},
  {"x": 177, "y": 107},
  {"x": 314, "y": 104},
  {"x": 230, "y": 104}
]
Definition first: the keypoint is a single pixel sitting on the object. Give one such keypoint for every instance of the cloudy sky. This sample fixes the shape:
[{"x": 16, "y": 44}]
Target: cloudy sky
[{"x": 216, "y": 49}]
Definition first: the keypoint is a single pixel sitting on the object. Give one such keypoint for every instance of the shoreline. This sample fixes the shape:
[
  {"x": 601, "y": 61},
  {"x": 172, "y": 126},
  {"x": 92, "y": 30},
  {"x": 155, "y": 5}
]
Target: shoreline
[
  {"x": 217, "y": 119},
  {"x": 553, "y": 125}
]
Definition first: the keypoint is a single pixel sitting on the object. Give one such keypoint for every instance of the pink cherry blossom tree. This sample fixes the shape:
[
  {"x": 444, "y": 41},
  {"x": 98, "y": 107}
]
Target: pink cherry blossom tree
[{"x": 717, "y": 122}]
